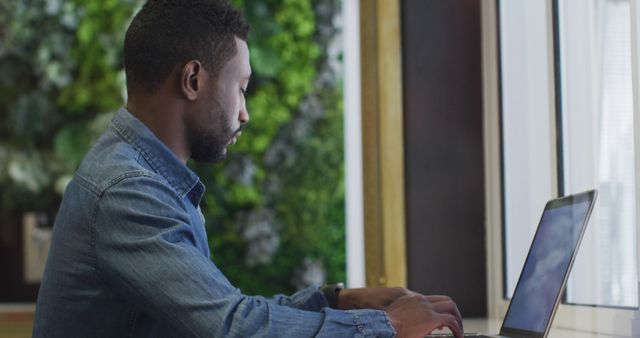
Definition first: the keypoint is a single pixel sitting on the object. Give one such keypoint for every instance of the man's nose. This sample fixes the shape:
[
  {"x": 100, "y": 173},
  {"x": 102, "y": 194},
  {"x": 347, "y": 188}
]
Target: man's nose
[{"x": 244, "y": 115}]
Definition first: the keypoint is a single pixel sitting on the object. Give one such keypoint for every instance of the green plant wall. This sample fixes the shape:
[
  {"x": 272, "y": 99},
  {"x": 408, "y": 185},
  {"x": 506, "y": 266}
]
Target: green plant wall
[
  {"x": 275, "y": 208},
  {"x": 61, "y": 78}
]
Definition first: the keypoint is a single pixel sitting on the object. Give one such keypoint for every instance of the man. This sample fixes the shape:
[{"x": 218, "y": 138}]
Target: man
[{"x": 129, "y": 255}]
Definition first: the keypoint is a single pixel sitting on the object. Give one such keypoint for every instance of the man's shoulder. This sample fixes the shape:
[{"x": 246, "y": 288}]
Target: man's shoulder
[{"x": 110, "y": 161}]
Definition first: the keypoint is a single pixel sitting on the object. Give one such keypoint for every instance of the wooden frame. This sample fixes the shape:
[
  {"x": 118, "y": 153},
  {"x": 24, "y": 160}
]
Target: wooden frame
[{"x": 383, "y": 154}]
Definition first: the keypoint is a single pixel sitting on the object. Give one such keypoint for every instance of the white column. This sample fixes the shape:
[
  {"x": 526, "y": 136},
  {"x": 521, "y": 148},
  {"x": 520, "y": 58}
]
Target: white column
[{"x": 353, "y": 144}]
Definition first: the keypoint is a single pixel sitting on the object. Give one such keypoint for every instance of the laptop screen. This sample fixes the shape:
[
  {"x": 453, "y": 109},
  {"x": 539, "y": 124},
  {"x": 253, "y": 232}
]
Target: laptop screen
[{"x": 543, "y": 275}]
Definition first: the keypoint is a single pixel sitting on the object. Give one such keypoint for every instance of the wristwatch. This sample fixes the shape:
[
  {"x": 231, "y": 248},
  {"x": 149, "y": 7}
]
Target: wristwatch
[{"x": 331, "y": 292}]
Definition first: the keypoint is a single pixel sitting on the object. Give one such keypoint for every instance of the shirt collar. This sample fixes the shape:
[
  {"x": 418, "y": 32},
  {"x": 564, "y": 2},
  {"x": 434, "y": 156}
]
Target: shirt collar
[{"x": 162, "y": 160}]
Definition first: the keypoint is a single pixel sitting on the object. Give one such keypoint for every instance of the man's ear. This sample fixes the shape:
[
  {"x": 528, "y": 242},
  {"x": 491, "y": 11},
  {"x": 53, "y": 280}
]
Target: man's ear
[{"x": 191, "y": 79}]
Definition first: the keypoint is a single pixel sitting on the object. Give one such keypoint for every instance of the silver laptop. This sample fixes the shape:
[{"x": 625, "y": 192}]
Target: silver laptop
[{"x": 546, "y": 268}]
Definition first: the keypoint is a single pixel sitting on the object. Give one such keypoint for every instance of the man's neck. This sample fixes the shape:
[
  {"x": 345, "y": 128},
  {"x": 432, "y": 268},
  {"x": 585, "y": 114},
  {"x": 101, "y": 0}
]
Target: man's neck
[{"x": 164, "y": 118}]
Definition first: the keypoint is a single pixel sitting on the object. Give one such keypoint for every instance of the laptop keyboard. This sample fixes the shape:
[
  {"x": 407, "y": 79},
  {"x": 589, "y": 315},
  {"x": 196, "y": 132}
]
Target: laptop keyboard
[{"x": 466, "y": 335}]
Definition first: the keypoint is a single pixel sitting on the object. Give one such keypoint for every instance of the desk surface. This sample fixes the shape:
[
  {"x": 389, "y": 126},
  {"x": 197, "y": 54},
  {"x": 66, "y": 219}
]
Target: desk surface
[{"x": 492, "y": 326}]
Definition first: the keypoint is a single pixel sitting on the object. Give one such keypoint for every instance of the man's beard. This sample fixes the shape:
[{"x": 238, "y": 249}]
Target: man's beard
[
  {"x": 208, "y": 142},
  {"x": 208, "y": 147}
]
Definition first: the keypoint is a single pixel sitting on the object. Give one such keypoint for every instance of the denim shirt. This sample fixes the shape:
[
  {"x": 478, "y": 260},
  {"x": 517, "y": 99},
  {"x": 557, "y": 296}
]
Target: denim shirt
[{"x": 129, "y": 258}]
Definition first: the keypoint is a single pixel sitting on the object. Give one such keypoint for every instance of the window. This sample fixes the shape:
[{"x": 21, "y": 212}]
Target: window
[
  {"x": 527, "y": 162},
  {"x": 596, "y": 142},
  {"x": 564, "y": 110}
]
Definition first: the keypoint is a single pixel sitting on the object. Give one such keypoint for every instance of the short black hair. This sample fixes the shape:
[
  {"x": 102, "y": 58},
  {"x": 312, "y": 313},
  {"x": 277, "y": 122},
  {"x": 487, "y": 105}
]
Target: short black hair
[{"x": 165, "y": 33}]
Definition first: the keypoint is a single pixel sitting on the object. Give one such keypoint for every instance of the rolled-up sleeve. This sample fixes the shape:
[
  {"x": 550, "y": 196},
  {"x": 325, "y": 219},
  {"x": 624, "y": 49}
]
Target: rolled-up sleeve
[
  {"x": 310, "y": 298},
  {"x": 146, "y": 252}
]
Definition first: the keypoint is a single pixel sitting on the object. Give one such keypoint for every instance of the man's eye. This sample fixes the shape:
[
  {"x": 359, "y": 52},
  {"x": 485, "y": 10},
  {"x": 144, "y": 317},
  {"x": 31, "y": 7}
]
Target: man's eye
[{"x": 243, "y": 91}]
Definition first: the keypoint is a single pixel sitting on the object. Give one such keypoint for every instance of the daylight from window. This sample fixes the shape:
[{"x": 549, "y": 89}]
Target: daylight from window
[
  {"x": 597, "y": 145},
  {"x": 586, "y": 143}
]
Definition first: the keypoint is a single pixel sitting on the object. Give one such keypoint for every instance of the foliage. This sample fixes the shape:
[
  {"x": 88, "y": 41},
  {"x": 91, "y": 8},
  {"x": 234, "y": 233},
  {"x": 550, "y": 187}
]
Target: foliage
[
  {"x": 61, "y": 73},
  {"x": 277, "y": 204},
  {"x": 274, "y": 209}
]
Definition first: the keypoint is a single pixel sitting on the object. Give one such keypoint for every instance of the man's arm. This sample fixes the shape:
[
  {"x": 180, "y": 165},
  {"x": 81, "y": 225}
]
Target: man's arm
[{"x": 145, "y": 252}]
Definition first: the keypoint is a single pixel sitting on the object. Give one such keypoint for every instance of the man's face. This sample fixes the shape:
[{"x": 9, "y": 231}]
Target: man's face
[{"x": 217, "y": 121}]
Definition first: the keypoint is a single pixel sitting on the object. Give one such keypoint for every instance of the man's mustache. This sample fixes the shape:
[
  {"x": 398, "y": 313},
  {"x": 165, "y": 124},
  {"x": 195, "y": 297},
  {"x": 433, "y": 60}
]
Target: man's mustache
[{"x": 240, "y": 129}]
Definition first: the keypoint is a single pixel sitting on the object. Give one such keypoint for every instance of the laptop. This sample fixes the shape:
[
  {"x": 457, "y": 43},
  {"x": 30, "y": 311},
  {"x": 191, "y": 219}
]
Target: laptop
[{"x": 546, "y": 269}]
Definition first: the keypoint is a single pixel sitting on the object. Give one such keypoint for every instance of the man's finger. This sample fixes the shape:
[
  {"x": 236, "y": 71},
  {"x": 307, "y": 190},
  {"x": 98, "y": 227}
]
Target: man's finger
[
  {"x": 437, "y": 298},
  {"x": 450, "y": 322},
  {"x": 448, "y": 308}
]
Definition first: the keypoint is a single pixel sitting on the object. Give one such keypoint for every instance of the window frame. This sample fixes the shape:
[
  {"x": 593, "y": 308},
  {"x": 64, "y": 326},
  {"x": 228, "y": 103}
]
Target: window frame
[{"x": 600, "y": 320}]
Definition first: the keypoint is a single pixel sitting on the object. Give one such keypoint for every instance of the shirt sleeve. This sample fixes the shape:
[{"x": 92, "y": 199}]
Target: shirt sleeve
[
  {"x": 145, "y": 251},
  {"x": 310, "y": 299}
]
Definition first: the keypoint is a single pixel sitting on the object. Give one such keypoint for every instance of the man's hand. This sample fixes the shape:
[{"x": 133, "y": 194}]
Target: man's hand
[
  {"x": 417, "y": 315},
  {"x": 411, "y": 314},
  {"x": 370, "y": 298}
]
